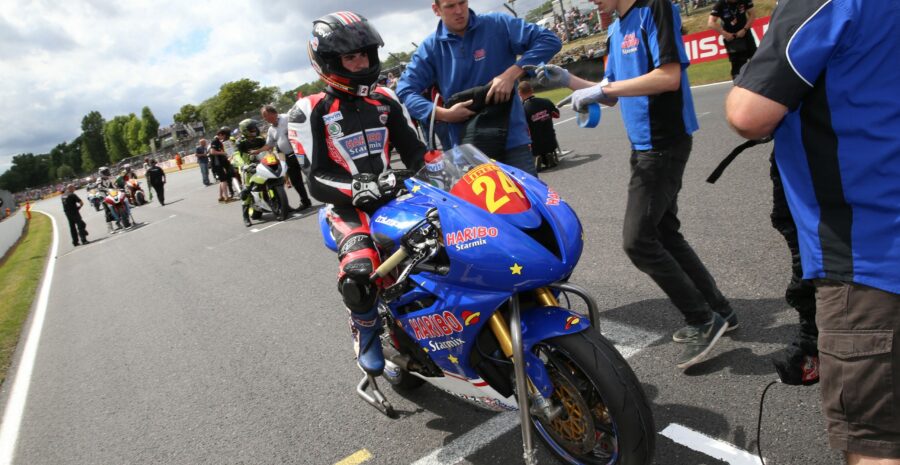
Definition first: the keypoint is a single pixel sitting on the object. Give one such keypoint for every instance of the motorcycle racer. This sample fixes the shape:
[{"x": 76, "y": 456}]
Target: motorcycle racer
[
  {"x": 249, "y": 139},
  {"x": 346, "y": 132}
]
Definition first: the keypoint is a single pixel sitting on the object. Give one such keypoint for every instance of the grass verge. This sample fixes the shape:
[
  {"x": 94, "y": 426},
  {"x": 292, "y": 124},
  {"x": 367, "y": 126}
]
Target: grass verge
[{"x": 20, "y": 275}]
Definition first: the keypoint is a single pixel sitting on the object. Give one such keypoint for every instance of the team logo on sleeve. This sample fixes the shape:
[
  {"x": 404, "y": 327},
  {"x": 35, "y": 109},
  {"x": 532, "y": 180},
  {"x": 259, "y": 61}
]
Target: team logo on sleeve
[
  {"x": 630, "y": 43},
  {"x": 332, "y": 117}
]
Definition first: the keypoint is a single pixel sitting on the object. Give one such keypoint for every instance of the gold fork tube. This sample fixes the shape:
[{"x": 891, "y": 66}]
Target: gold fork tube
[
  {"x": 546, "y": 298},
  {"x": 501, "y": 331}
]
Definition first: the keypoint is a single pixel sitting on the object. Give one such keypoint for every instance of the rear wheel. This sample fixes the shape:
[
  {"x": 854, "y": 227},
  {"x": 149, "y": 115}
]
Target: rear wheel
[{"x": 605, "y": 418}]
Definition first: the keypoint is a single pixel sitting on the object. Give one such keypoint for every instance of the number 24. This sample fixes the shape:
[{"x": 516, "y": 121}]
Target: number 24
[{"x": 486, "y": 183}]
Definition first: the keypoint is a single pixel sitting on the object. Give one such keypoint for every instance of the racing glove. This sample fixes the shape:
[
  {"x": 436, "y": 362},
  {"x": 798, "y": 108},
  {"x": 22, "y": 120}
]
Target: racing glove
[
  {"x": 581, "y": 98},
  {"x": 370, "y": 191},
  {"x": 552, "y": 76}
]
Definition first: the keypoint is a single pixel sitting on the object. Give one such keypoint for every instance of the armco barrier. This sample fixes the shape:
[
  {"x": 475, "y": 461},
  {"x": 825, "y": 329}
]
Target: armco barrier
[{"x": 11, "y": 230}]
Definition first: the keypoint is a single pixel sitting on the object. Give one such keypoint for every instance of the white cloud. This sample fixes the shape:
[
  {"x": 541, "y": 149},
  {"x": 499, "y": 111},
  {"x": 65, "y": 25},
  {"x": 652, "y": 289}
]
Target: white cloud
[{"x": 62, "y": 60}]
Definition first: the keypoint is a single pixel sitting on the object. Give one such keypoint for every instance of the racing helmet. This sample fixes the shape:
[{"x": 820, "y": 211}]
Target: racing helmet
[
  {"x": 340, "y": 33},
  {"x": 224, "y": 130},
  {"x": 248, "y": 125},
  {"x": 104, "y": 171}
]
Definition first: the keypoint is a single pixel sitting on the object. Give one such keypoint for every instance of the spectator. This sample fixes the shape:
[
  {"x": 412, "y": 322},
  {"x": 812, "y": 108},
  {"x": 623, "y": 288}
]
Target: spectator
[
  {"x": 540, "y": 113},
  {"x": 658, "y": 111},
  {"x": 497, "y": 45},
  {"x": 819, "y": 85},
  {"x": 732, "y": 19},
  {"x": 221, "y": 168},
  {"x": 202, "y": 152},
  {"x": 156, "y": 177},
  {"x": 71, "y": 206}
]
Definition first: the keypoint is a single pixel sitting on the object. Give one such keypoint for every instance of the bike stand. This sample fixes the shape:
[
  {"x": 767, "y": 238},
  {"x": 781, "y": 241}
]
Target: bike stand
[{"x": 376, "y": 399}]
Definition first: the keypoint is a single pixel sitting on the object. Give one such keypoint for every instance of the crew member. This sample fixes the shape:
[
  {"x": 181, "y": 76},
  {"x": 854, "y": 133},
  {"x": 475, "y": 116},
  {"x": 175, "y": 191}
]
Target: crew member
[
  {"x": 277, "y": 136},
  {"x": 71, "y": 206}
]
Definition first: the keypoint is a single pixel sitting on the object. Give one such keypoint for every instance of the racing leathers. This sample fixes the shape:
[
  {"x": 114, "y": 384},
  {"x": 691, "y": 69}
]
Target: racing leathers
[
  {"x": 347, "y": 138},
  {"x": 241, "y": 159}
]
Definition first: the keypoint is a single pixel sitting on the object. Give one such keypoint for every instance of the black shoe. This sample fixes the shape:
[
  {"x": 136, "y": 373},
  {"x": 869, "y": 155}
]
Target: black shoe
[
  {"x": 701, "y": 340},
  {"x": 796, "y": 366},
  {"x": 75, "y": 244},
  {"x": 305, "y": 205},
  {"x": 247, "y": 222}
]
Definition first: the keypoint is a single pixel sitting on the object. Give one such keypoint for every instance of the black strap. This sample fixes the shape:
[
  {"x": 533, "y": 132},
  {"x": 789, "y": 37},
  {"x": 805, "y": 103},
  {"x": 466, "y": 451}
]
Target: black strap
[{"x": 714, "y": 176}]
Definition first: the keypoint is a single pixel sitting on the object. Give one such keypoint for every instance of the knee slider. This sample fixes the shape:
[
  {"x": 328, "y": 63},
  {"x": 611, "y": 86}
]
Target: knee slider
[{"x": 358, "y": 293}]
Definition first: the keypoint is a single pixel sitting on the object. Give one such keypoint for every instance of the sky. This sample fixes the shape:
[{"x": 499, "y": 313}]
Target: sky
[{"x": 61, "y": 60}]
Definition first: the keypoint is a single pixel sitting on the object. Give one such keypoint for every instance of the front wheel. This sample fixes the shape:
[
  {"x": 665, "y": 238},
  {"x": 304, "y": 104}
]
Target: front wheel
[
  {"x": 605, "y": 418},
  {"x": 280, "y": 203}
]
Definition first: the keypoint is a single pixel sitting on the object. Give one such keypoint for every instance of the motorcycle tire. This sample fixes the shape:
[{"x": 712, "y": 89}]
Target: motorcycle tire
[
  {"x": 601, "y": 398},
  {"x": 280, "y": 203}
]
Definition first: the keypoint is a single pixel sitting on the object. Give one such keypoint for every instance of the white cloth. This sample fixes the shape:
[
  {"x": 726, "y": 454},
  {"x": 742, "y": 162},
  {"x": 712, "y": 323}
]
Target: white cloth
[{"x": 277, "y": 136}]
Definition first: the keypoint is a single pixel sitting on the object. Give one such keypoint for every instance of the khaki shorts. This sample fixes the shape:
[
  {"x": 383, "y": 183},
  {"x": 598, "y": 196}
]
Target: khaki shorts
[{"x": 859, "y": 352}]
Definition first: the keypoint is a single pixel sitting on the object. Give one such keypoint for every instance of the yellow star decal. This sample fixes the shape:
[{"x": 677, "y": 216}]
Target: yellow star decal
[
  {"x": 453, "y": 359},
  {"x": 416, "y": 188},
  {"x": 425, "y": 349},
  {"x": 516, "y": 268}
]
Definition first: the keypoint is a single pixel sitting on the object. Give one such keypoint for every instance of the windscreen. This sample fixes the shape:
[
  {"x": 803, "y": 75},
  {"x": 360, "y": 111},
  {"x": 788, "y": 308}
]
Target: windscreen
[{"x": 470, "y": 175}]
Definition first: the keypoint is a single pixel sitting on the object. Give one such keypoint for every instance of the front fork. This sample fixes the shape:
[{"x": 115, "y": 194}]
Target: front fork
[{"x": 510, "y": 338}]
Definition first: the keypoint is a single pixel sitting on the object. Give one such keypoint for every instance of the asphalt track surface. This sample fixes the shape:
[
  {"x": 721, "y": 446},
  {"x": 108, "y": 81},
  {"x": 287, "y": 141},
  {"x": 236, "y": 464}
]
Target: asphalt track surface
[{"x": 194, "y": 340}]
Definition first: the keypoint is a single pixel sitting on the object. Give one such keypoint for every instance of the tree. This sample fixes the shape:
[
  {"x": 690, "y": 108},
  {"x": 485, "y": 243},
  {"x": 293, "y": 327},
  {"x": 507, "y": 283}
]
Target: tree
[
  {"x": 536, "y": 14},
  {"x": 133, "y": 134},
  {"x": 65, "y": 172},
  {"x": 28, "y": 170},
  {"x": 114, "y": 136},
  {"x": 187, "y": 114},
  {"x": 149, "y": 127},
  {"x": 235, "y": 99},
  {"x": 93, "y": 147},
  {"x": 395, "y": 59}
]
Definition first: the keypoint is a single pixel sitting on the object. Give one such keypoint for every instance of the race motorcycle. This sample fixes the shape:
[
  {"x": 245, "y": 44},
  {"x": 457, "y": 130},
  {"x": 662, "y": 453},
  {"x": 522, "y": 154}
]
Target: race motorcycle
[
  {"x": 477, "y": 256},
  {"x": 264, "y": 186},
  {"x": 116, "y": 212},
  {"x": 135, "y": 192},
  {"x": 94, "y": 196}
]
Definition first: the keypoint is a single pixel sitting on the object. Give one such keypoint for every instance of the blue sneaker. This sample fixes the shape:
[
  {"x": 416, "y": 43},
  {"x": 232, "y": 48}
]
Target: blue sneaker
[{"x": 366, "y": 329}]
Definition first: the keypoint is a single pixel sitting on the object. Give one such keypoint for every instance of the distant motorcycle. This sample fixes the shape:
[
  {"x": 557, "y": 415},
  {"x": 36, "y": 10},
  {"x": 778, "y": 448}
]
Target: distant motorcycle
[
  {"x": 264, "y": 184},
  {"x": 135, "y": 192},
  {"x": 117, "y": 211},
  {"x": 95, "y": 197}
]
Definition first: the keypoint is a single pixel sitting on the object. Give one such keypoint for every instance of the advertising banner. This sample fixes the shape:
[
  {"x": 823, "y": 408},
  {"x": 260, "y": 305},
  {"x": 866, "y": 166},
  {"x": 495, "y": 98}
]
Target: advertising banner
[{"x": 709, "y": 45}]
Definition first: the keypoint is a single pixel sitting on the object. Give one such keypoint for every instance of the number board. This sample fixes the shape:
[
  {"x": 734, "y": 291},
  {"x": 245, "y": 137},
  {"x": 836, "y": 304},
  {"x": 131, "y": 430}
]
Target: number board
[{"x": 491, "y": 189}]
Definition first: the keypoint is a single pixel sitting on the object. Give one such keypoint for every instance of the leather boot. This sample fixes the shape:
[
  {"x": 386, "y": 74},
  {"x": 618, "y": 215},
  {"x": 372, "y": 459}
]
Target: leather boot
[{"x": 366, "y": 328}]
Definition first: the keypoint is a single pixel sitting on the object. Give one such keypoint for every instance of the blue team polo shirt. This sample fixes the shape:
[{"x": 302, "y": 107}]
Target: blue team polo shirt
[
  {"x": 643, "y": 39},
  {"x": 834, "y": 65}
]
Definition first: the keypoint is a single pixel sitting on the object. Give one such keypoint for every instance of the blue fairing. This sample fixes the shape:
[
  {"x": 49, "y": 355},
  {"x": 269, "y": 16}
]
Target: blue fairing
[
  {"x": 326, "y": 230},
  {"x": 491, "y": 257}
]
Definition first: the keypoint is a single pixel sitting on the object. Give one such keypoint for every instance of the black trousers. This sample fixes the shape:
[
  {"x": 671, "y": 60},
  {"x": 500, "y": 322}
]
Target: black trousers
[
  {"x": 800, "y": 293},
  {"x": 160, "y": 192},
  {"x": 740, "y": 50},
  {"x": 652, "y": 238},
  {"x": 77, "y": 228},
  {"x": 295, "y": 174}
]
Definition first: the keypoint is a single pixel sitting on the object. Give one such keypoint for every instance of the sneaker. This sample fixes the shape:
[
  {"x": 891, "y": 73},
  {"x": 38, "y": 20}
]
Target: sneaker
[
  {"x": 701, "y": 341},
  {"x": 682, "y": 335}
]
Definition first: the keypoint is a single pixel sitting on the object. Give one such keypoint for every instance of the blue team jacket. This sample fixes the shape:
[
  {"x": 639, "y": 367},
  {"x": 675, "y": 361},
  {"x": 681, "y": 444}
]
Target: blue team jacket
[{"x": 492, "y": 43}]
